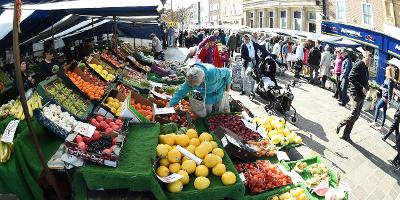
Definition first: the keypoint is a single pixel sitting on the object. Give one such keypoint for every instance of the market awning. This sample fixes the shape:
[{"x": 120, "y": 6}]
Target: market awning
[
  {"x": 345, "y": 43},
  {"x": 395, "y": 62}
]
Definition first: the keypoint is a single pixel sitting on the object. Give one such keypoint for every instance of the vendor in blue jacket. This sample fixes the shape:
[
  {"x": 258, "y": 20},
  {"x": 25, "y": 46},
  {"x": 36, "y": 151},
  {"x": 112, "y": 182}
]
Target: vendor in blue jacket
[{"x": 206, "y": 81}]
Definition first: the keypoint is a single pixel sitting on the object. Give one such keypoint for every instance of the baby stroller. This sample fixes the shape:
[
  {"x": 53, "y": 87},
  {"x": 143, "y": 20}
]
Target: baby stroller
[{"x": 278, "y": 100}]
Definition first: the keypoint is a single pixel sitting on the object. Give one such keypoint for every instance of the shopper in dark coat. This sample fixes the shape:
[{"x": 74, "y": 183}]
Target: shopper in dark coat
[
  {"x": 232, "y": 43},
  {"x": 358, "y": 88},
  {"x": 191, "y": 40},
  {"x": 347, "y": 65},
  {"x": 395, "y": 127},
  {"x": 314, "y": 60},
  {"x": 238, "y": 42}
]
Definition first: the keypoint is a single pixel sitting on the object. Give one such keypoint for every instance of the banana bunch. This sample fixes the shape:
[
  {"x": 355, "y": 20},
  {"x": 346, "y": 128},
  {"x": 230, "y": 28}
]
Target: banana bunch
[
  {"x": 34, "y": 103},
  {"x": 5, "y": 151}
]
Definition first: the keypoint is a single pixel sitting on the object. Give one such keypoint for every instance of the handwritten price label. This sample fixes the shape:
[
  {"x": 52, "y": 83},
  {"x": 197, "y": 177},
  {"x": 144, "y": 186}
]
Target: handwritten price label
[
  {"x": 163, "y": 111},
  {"x": 85, "y": 129},
  {"x": 171, "y": 178},
  {"x": 8, "y": 135}
]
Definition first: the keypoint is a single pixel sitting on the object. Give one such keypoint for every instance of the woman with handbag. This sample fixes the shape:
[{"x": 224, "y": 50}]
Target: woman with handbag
[{"x": 208, "y": 87}]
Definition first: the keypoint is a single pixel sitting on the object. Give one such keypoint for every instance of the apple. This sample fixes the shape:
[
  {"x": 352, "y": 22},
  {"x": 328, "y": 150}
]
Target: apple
[
  {"x": 96, "y": 135},
  {"x": 114, "y": 141},
  {"x": 119, "y": 122},
  {"x": 108, "y": 130},
  {"x": 115, "y": 127},
  {"x": 96, "y": 124},
  {"x": 100, "y": 118},
  {"x": 108, "y": 120},
  {"x": 93, "y": 121},
  {"x": 82, "y": 146},
  {"x": 111, "y": 124},
  {"x": 107, "y": 151},
  {"x": 87, "y": 140},
  {"x": 78, "y": 139}
]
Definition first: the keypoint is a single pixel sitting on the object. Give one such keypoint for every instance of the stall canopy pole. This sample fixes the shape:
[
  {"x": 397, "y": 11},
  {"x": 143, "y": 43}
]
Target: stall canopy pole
[
  {"x": 92, "y": 29},
  {"x": 52, "y": 30},
  {"x": 17, "y": 62},
  {"x": 115, "y": 25}
]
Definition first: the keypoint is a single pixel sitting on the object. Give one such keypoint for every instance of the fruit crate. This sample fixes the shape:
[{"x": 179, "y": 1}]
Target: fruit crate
[
  {"x": 105, "y": 110},
  {"x": 50, "y": 125},
  {"x": 94, "y": 59},
  {"x": 216, "y": 189},
  {"x": 70, "y": 84},
  {"x": 158, "y": 70},
  {"x": 104, "y": 59},
  {"x": 66, "y": 95},
  {"x": 333, "y": 179},
  {"x": 124, "y": 79},
  {"x": 269, "y": 194},
  {"x": 134, "y": 64},
  {"x": 118, "y": 53},
  {"x": 131, "y": 111},
  {"x": 157, "y": 78}
]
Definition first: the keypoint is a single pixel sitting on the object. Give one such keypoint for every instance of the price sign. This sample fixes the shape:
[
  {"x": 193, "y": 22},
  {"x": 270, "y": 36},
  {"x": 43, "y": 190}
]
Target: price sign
[
  {"x": 242, "y": 177},
  {"x": 8, "y": 135},
  {"x": 282, "y": 155},
  {"x": 85, "y": 129},
  {"x": 163, "y": 111},
  {"x": 296, "y": 178},
  {"x": 90, "y": 58},
  {"x": 155, "y": 84},
  {"x": 171, "y": 178}
]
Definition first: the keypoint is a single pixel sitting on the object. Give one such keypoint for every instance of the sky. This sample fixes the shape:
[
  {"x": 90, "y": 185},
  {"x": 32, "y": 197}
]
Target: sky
[{"x": 180, "y": 3}]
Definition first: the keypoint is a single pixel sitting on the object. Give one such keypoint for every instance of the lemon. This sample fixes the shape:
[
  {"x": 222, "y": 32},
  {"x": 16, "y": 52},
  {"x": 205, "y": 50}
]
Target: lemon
[
  {"x": 201, "y": 151},
  {"x": 219, "y": 159},
  {"x": 185, "y": 159},
  {"x": 201, "y": 183},
  {"x": 210, "y": 160},
  {"x": 228, "y": 178},
  {"x": 162, "y": 171},
  {"x": 169, "y": 139},
  {"x": 189, "y": 166},
  {"x": 113, "y": 110},
  {"x": 205, "y": 137},
  {"x": 174, "y": 156},
  {"x": 174, "y": 167},
  {"x": 219, "y": 169},
  {"x": 286, "y": 132},
  {"x": 191, "y": 133},
  {"x": 191, "y": 148},
  {"x": 201, "y": 170},
  {"x": 162, "y": 150},
  {"x": 219, "y": 152},
  {"x": 182, "y": 140},
  {"x": 185, "y": 179},
  {"x": 105, "y": 72},
  {"x": 109, "y": 99},
  {"x": 208, "y": 146},
  {"x": 194, "y": 141},
  {"x": 213, "y": 144},
  {"x": 163, "y": 162},
  {"x": 176, "y": 186}
]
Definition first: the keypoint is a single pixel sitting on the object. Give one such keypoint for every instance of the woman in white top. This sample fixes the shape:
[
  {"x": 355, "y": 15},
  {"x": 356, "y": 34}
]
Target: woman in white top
[{"x": 326, "y": 60}]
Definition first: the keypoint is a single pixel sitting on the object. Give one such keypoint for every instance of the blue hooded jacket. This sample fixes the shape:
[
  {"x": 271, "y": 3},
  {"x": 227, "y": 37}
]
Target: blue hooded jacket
[{"x": 216, "y": 81}]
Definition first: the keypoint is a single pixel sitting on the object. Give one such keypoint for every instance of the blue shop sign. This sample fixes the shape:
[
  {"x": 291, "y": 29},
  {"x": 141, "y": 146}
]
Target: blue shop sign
[
  {"x": 360, "y": 35},
  {"x": 393, "y": 46}
]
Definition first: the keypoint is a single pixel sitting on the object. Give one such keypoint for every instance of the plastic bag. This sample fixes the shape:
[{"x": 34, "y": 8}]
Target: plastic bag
[
  {"x": 197, "y": 105},
  {"x": 224, "y": 105}
]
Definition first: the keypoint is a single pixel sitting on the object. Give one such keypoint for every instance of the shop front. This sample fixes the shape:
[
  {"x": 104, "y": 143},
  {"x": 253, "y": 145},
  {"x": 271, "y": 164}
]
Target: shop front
[{"x": 370, "y": 40}]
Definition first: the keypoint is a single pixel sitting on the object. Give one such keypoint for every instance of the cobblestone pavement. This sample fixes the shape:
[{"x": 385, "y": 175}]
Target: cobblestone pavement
[{"x": 364, "y": 164}]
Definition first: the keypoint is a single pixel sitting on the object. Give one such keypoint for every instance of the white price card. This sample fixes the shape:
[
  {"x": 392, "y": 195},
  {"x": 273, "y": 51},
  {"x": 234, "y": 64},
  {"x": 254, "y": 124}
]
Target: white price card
[
  {"x": 282, "y": 155},
  {"x": 344, "y": 186},
  {"x": 253, "y": 127},
  {"x": 189, "y": 155},
  {"x": 155, "y": 84},
  {"x": 89, "y": 59},
  {"x": 296, "y": 178},
  {"x": 242, "y": 177},
  {"x": 85, "y": 129},
  {"x": 246, "y": 116},
  {"x": 171, "y": 178},
  {"x": 8, "y": 135},
  {"x": 159, "y": 95},
  {"x": 163, "y": 111}
]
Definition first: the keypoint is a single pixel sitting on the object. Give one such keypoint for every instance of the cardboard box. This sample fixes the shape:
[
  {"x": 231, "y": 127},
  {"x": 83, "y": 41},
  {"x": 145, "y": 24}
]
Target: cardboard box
[
  {"x": 128, "y": 111},
  {"x": 234, "y": 145}
]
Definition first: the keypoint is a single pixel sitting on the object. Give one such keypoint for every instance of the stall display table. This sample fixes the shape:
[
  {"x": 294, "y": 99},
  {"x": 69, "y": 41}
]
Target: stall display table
[
  {"x": 134, "y": 170},
  {"x": 20, "y": 174}
]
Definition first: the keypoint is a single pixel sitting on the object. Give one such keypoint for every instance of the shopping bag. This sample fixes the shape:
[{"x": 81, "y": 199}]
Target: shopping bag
[
  {"x": 224, "y": 105},
  {"x": 249, "y": 70},
  {"x": 197, "y": 104}
]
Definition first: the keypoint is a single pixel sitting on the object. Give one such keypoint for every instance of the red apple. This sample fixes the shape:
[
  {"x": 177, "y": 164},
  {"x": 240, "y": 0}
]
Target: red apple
[
  {"x": 93, "y": 121},
  {"x": 104, "y": 125},
  {"x": 108, "y": 120},
  {"x": 111, "y": 124},
  {"x": 119, "y": 122},
  {"x": 78, "y": 139},
  {"x": 114, "y": 141},
  {"x": 82, "y": 146},
  {"x": 96, "y": 135},
  {"x": 115, "y": 127},
  {"x": 108, "y": 131},
  {"x": 96, "y": 124},
  {"x": 107, "y": 151},
  {"x": 87, "y": 140},
  {"x": 99, "y": 118}
]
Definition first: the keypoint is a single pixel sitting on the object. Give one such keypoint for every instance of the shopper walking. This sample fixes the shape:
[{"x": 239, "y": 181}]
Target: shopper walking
[
  {"x": 314, "y": 60},
  {"x": 181, "y": 37},
  {"x": 382, "y": 104},
  {"x": 326, "y": 60},
  {"x": 191, "y": 40},
  {"x": 238, "y": 42},
  {"x": 232, "y": 43},
  {"x": 346, "y": 67},
  {"x": 395, "y": 127},
  {"x": 171, "y": 36},
  {"x": 249, "y": 54},
  {"x": 156, "y": 47},
  {"x": 299, "y": 60},
  {"x": 338, "y": 72},
  {"x": 208, "y": 52},
  {"x": 222, "y": 37},
  {"x": 358, "y": 80}
]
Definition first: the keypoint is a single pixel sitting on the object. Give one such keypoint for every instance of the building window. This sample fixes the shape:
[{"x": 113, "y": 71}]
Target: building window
[
  {"x": 251, "y": 20},
  {"x": 367, "y": 14},
  {"x": 283, "y": 20},
  {"x": 271, "y": 19},
  {"x": 260, "y": 19},
  {"x": 340, "y": 10},
  {"x": 312, "y": 17},
  {"x": 297, "y": 20},
  {"x": 312, "y": 27}
]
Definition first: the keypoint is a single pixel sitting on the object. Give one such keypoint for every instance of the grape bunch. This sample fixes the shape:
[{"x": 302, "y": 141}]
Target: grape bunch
[{"x": 97, "y": 146}]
